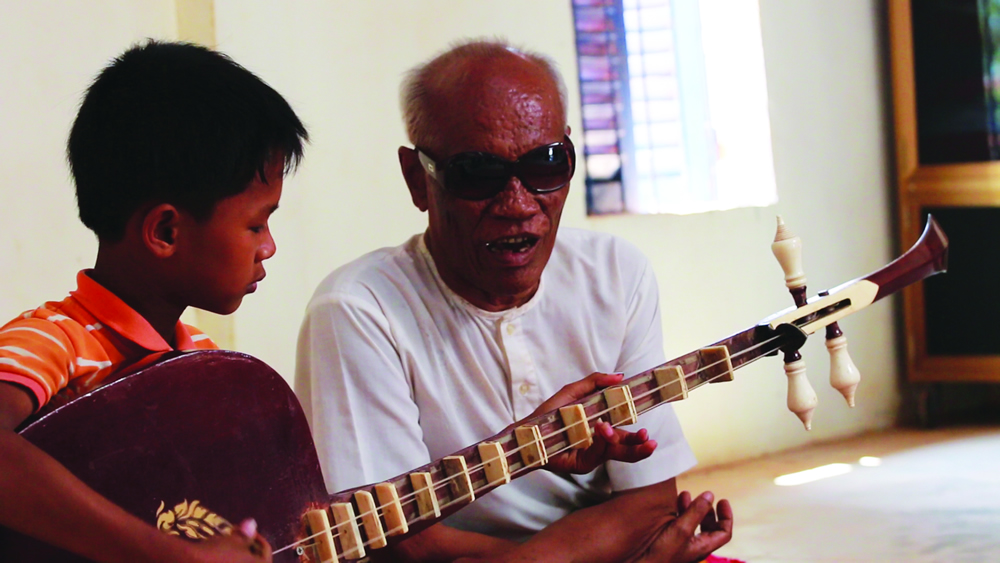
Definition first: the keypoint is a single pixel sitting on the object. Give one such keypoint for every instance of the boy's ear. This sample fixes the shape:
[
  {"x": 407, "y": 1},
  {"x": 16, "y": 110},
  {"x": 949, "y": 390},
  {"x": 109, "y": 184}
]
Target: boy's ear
[
  {"x": 160, "y": 227},
  {"x": 416, "y": 178}
]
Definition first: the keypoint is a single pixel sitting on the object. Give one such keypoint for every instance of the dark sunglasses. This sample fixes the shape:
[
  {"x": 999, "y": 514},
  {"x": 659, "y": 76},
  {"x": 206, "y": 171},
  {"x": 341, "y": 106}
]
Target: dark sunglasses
[{"x": 481, "y": 175}]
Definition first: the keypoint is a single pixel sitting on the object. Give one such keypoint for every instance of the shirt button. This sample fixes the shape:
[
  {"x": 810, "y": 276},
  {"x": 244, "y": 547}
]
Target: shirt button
[
  {"x": 524, "y": 388},
  {"x": 511, "y": 329}
]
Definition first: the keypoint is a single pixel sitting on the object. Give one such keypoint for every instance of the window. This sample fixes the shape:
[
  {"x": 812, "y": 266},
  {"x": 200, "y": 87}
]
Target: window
[{"x": 674, "y": 106}]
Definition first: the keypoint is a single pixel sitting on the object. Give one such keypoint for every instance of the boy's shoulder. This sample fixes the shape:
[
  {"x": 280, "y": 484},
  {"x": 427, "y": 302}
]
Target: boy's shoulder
[
  {"x": 46, "y": 348},
  {"x": 73, "y": 345}
]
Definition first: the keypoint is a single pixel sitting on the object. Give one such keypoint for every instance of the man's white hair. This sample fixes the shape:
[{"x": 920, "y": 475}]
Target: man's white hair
[{"x": 416, "y": 87}]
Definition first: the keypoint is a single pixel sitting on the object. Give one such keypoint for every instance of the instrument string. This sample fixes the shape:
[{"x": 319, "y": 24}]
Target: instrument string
[{"x": 411, "y": 497}]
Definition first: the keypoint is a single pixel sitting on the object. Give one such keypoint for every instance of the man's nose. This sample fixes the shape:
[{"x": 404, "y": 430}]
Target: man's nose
[{"x": 515, "y": 201}]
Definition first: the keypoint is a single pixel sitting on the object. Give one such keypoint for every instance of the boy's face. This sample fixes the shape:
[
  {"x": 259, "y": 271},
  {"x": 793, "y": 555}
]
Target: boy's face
[{"x": 224, "y": 255}]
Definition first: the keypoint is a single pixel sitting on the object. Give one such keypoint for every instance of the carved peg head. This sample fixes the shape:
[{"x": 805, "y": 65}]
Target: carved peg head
[{"x": 787, "y": 248}]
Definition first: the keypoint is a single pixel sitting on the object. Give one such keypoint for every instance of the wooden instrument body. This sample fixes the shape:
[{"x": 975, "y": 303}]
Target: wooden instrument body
[{"x": 216, "y": 427}]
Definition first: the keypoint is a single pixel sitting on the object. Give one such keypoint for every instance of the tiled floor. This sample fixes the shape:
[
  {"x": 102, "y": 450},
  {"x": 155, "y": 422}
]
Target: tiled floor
[{"x": 935, "y": 497}]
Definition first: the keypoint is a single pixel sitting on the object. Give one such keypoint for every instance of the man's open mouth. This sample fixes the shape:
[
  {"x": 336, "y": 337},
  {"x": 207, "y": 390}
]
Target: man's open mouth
[{"x": 517, "y": 244}]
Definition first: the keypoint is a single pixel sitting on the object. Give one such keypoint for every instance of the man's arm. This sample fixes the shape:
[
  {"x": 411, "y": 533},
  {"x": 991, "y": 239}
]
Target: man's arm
[
  {"x": 651, "y": 524},
  {"x": 40, "y": 498}
]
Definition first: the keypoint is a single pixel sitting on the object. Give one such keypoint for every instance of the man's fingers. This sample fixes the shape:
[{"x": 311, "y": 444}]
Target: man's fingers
[
  {"x": 630, "y": 454},
  {"x": 725, "y": 514},
  {"x": 689, "y": 519},
  {"x": 577, "y": 390},
  {"x": 632, "y": 438},
  {"x": 589, "y": 384},
  {"x": 619, "y": 445},
  {"x": 602, "y": 380},
  {"x": 716, "y": 534},
  {"x": 683, "y": 501},
  {"x": 702, "y": 545},
  {"x": 610, "y": 444},
  {"x": 709, "y": 523},
  {"x": 606, "y": 432}
]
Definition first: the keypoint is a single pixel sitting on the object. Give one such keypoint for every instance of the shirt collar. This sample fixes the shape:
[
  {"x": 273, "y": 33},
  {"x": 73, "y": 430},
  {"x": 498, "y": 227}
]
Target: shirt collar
[
  {"x": 113, "y": 313},
  {"x": 507, "y": 315}
]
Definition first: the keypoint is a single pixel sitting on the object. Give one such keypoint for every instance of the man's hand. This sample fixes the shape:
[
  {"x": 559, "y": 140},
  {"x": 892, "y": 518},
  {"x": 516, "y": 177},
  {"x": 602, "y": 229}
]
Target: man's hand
[
  {"x": 636, "y": 527},
  {"x": 609, "y": 443},
  {"x": 681, "y": 541},
  {"x": 244, "y": 545}
]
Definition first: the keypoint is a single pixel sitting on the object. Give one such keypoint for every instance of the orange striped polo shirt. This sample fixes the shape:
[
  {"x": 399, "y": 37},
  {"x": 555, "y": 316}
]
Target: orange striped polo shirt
[{"x": 71, "y": 346}]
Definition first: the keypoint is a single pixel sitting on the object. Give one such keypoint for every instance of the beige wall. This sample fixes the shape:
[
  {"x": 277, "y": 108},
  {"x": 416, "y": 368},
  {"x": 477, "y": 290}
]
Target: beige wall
[
  {"x": 49, "y": 52},
  {"x": 339, "y": 64}
]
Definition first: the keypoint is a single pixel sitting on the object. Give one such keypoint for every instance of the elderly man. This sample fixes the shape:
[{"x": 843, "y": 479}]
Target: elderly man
[{"x": 411, "y": 353}]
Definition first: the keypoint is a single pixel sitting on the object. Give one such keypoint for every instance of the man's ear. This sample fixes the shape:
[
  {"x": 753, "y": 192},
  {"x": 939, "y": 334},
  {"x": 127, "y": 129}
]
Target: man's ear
[
  {"x": 160, "y": 227},
  {"x": 416, "y": 178}
]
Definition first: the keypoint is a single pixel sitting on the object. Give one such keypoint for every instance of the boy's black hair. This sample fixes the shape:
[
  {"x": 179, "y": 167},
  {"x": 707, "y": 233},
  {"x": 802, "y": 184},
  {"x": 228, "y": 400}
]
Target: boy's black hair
[{"x": 175, "y": 123}]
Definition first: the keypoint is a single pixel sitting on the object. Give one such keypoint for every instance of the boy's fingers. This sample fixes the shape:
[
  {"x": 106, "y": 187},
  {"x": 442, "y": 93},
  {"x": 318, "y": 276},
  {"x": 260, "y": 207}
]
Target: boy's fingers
[
  {"x": 261, "y": 547},
  {"x": 248, "y": 527},
  {"x": 257, "y": 544}
]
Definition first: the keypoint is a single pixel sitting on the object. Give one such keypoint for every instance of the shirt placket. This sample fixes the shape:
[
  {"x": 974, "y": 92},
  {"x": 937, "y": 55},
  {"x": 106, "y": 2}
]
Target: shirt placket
[{"x": 524, "y": 388}]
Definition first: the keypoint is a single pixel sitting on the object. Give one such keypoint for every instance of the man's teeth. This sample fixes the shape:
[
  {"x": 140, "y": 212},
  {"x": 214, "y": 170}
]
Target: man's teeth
[{"x": 516, "y": 244}]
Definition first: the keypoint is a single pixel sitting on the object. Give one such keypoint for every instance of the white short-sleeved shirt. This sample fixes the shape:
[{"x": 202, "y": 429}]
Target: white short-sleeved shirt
[{"x": 395, "y": 370}]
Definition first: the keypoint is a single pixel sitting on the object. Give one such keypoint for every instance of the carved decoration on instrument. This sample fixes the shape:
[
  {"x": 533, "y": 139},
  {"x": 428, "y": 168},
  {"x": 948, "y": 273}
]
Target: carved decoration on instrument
[
  {"x": 844, "y": 375},
  {"x": 191, "y": 520}
]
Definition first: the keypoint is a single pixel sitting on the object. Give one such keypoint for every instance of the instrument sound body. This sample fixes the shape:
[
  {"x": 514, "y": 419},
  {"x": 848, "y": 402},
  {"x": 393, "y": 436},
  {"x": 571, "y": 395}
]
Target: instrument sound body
[{"x": 202, "y": 439}]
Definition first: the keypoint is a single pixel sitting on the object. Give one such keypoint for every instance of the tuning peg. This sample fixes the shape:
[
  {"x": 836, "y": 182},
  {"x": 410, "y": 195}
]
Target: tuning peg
[
  {"x": 802, "y": 398},
  {"x": 844, "y": 375},
  {"x": 787, "y": 248}
]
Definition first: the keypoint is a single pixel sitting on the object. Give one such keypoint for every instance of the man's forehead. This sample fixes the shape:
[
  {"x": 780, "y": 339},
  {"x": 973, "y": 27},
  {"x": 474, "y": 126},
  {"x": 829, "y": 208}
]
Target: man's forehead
[
  {"x": 510, "y": 103},
  {"x": 497, "y": 76}
]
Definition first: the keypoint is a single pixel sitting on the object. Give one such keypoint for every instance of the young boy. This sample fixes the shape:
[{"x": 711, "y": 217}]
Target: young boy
[{"x": 178, "y": 155}]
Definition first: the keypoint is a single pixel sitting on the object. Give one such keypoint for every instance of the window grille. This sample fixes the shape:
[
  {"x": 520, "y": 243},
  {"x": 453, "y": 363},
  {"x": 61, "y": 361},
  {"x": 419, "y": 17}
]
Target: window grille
[{"x": 674, "y": 106}]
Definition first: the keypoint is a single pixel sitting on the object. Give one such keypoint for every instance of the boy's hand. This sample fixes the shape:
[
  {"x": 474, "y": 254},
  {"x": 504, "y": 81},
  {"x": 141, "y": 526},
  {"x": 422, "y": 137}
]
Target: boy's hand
[
  {"x": 243, "y": 546},
  {"x": 609, "y": 443}
]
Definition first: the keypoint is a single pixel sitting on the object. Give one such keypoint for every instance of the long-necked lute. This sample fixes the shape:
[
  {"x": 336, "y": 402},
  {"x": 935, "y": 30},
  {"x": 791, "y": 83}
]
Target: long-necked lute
[{"x": 203, "y": 439}]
